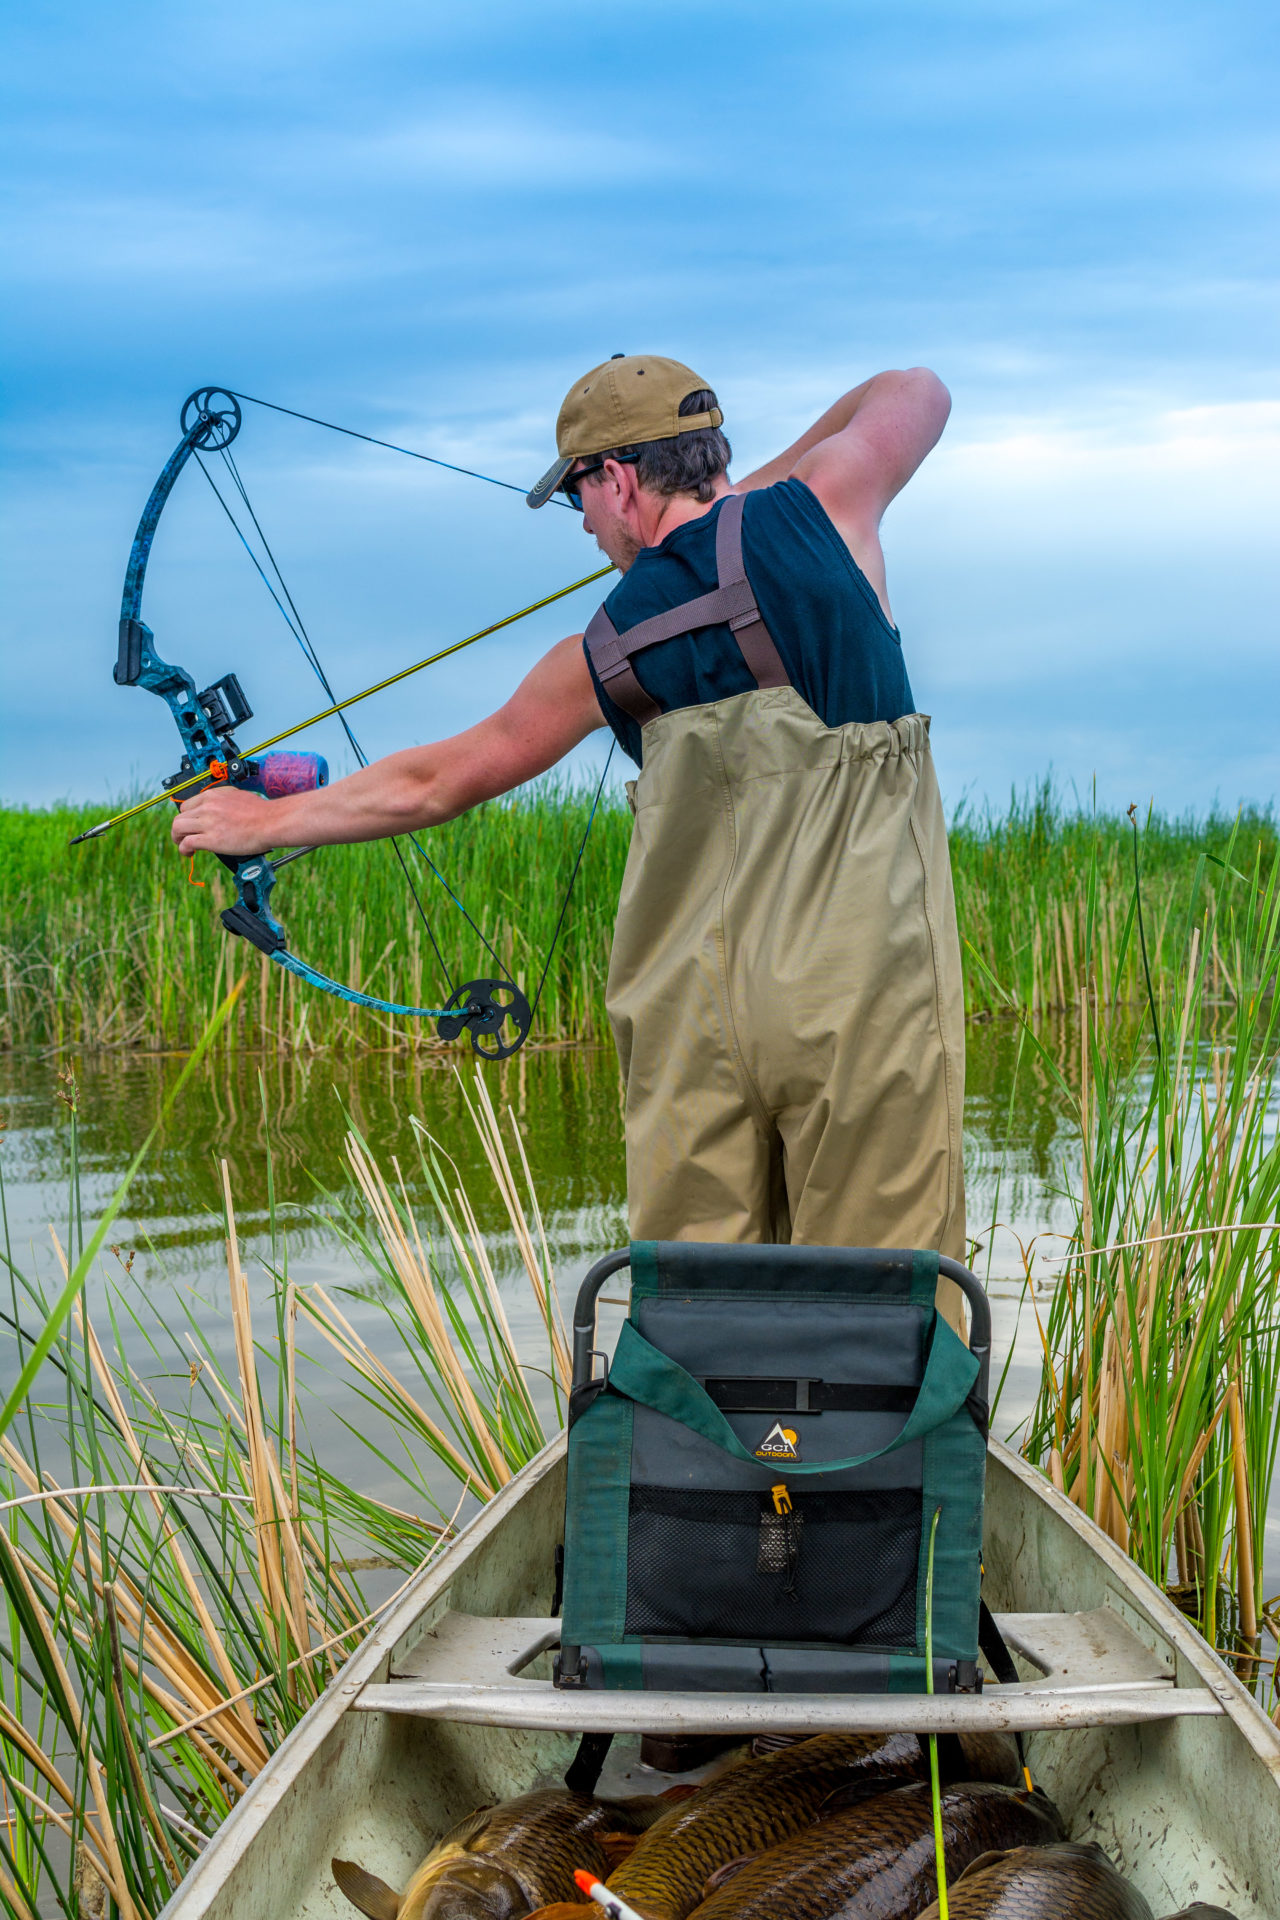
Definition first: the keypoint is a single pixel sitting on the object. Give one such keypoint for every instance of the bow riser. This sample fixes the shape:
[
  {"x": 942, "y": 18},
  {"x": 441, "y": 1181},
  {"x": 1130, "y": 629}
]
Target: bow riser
[{"x": 204, "y": 720}]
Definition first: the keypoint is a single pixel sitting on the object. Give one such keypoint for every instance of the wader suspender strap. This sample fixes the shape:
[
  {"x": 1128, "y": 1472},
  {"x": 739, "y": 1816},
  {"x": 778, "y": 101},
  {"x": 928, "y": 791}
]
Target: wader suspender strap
[{"x": 731, "y": 601}]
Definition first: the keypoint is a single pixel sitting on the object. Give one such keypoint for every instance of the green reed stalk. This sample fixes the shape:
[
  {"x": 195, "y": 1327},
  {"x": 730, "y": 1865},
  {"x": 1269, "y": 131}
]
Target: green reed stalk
[
  {"x": 174, "y": 1588},
  {"x": 1158, "y": 1403},
  {"x": 174, "y": 1558},
  {"x": 935, "y": 1784},
  {"x": 474, "y": 1413},
  {"x": 107, "y": 945}
]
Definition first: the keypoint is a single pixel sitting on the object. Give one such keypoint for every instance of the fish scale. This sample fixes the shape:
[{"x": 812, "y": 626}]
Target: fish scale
[
  {"x": 1075, "y": 1881},
  {"x": 500, "y": 1864},
  {"x": 752, "y": 1806},
  {"x": 875, "y": 1861}
]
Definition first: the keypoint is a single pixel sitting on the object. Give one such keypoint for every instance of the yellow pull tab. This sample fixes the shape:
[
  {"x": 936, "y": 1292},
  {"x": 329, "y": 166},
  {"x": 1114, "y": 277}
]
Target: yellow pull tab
[{"x": 781, "y": 1499}]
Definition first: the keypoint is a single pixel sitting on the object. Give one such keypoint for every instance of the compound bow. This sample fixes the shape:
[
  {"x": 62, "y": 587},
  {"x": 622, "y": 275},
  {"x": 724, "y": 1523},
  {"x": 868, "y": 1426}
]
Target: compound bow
[{"x": 206, "y": 722}]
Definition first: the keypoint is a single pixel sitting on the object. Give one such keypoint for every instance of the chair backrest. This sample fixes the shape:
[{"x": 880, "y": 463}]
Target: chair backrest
[{"x": 753, "y": 1476}]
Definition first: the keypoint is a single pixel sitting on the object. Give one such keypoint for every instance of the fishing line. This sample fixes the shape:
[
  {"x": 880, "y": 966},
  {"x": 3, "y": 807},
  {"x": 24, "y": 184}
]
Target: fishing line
[{"x": 568, "y": 894}]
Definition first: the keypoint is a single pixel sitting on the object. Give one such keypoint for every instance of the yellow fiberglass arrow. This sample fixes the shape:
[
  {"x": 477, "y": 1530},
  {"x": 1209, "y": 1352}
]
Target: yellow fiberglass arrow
[{"x": 198, "y": 779}]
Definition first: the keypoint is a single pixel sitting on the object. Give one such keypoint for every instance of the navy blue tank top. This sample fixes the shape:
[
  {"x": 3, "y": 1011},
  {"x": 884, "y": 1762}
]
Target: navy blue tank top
[{"x": 843, "y": 657}]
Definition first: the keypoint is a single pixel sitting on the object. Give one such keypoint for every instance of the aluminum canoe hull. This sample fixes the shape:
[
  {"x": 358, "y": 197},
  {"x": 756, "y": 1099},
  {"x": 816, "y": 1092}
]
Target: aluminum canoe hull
[{"x": 1186, "y": 1796}]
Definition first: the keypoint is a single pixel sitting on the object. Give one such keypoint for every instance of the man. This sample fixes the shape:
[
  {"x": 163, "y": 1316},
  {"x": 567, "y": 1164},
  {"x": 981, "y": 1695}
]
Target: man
[{"x": 785, "y": 982}]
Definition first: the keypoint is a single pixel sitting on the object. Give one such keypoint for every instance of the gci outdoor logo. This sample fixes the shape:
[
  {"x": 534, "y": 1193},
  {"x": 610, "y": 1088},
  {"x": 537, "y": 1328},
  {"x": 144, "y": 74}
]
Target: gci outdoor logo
[{"x": 780, "y": 1443}]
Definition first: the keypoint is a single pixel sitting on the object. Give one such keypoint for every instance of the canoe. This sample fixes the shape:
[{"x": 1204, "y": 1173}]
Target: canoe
[{"x": 1141, "y": 1734}]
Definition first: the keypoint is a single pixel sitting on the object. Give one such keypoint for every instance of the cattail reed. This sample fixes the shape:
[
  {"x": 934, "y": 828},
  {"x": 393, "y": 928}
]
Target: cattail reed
[
  {"x": 176, "y": 1561},
  {"x": 1159, "y": 1412}
]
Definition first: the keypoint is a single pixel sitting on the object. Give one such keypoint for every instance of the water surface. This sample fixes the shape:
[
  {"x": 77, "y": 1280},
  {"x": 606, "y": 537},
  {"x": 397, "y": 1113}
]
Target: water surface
[{"x": 280, "y": 1125}]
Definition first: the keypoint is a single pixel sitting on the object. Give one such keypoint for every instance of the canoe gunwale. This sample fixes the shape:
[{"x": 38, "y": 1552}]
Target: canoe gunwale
[
  {"x": 370, "y": 1660},
  {"x": 1192, "y": 1650},
  {"x": 357, "y": 1695}
]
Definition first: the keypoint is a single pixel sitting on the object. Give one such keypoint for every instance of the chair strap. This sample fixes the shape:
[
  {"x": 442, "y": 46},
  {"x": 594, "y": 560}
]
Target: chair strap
[
  {"x": 1000, "y": 1661},
  {"x": 734, "y": 1394}
]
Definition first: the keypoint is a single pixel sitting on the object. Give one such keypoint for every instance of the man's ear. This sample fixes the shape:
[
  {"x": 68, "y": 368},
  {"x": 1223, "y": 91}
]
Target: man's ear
[
  {"x": 616, "y": 475},
  {"x": 625, "y": 481}
]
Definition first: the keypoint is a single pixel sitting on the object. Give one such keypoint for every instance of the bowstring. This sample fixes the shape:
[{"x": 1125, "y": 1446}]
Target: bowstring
[
  {"x": 410, "y": 452},
  {"x": 297, "y": 627},
  {"x": 568, "y": 892}
]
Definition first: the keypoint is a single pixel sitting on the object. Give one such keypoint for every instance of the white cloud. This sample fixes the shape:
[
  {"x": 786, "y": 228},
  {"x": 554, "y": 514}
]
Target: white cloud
[{"x": 498, "y": 143}]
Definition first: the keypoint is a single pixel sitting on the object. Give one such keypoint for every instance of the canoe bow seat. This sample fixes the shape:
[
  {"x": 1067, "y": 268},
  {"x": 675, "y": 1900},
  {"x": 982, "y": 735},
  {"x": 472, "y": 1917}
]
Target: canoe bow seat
[{"x": 699, "y": 1440}]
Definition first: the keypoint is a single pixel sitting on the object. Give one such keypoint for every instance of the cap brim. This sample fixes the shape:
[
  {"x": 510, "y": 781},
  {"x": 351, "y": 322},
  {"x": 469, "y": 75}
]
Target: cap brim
[{"x": 538, "y": 496}]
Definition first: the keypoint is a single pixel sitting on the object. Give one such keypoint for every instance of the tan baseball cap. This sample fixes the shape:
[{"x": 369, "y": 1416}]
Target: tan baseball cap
[{"x": 621, "y": 403}]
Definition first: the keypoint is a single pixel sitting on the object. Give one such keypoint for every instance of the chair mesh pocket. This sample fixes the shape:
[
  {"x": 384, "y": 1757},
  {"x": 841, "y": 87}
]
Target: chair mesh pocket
[{"x": 710, "y": 1565}]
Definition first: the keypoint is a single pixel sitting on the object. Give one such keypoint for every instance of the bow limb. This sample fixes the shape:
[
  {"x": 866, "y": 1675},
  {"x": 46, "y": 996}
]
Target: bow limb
[
  {"x": 202, "y": 719},
  {"x": 480, "y": 1008}
]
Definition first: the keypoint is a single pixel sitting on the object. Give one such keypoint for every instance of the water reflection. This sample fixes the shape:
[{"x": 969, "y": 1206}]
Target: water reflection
[
  {"x": 280, "y": 1125},
  {"x": 283, "y": 1121}
]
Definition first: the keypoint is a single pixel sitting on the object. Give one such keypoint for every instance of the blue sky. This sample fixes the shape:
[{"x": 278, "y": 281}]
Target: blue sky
[{"x": 423, "y": 222}]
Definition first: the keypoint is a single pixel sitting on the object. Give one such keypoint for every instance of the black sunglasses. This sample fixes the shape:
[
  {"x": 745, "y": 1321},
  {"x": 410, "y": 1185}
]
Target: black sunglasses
[{"x": 573, "y": 493}]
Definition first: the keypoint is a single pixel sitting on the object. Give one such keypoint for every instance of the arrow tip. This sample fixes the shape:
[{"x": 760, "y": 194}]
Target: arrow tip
[{"x": 90, "y": 834}]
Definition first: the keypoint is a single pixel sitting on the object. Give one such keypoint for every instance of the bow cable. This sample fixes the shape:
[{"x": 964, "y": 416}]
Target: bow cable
[{"x": 297, "y": 627}]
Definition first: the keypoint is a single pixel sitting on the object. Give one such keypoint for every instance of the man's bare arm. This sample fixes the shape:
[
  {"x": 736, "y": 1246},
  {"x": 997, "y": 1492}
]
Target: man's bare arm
[
  {"x": 870, "y": 442},
  {"x": 861, "y": 453},
  {"x": 550, "y": 712}
]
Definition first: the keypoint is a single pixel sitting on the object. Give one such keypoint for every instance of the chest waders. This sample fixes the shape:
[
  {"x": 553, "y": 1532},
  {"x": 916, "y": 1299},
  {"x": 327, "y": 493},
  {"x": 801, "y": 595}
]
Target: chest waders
[{"x": 785, "y": 987}]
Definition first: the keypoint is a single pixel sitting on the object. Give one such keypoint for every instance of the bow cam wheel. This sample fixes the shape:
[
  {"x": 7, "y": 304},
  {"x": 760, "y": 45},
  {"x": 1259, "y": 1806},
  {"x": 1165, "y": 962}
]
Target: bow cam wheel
[
  {"x": 212, "y": 416},
  {"x": 484, "y": 1007}
]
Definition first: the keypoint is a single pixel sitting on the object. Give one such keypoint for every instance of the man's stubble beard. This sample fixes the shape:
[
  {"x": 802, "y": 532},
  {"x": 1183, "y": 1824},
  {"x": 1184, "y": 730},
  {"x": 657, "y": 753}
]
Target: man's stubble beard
[{"x": 626, "y": 548}]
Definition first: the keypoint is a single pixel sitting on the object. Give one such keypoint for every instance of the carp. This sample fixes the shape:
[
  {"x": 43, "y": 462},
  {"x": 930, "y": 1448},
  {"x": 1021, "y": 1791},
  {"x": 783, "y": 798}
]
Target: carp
[
  {"x": 875, "y": 1860},
  {"x": 982, "y": 1756},
  {"x": 753, "y": 1804},
  {"x": 962, "y": 1756},
  {"x": 1075, "y": 1881},
  {"x": 504, "y": 1861}
]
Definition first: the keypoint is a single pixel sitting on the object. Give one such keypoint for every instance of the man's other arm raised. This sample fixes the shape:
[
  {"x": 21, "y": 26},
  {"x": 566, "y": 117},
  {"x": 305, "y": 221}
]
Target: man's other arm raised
[{"x": 863, "y": 451}]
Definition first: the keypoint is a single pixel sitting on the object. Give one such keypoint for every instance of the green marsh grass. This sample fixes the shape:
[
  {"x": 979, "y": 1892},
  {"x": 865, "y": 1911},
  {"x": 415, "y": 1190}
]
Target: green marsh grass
[
  {"x": 178, "y": 1566},
  {"x": 1159, "y": 1410},
  {"x": 110, "y": 945}
]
